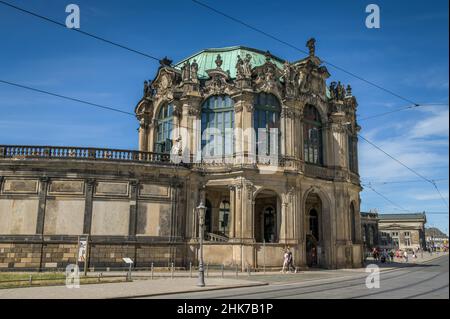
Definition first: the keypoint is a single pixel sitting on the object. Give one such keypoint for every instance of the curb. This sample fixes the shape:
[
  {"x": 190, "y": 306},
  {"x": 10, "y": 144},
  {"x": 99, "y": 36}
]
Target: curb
[{"x": 191, "y": 291}]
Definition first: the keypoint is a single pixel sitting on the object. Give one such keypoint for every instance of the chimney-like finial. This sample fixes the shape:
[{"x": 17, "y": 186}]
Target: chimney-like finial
[
  {"x": 218, "y": 61},
  {"x": 165, "y": 62}
]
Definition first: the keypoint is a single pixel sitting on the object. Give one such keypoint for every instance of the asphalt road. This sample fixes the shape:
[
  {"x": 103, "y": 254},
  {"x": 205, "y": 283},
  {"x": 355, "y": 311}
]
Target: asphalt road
[{"x": 422, "y": 281}]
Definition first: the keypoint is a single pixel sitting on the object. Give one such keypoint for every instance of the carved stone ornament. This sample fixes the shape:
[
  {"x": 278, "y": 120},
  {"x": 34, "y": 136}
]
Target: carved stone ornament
[{"x": 267, "y": 78}]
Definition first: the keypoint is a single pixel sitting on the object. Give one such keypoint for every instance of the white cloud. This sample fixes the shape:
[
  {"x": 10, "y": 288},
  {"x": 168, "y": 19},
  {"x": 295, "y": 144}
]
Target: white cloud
[{"x": 436, "y": 125}]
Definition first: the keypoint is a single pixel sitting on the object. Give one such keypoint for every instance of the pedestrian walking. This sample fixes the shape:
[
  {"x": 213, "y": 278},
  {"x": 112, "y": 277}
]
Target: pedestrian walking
[
  {"x": 405, "y": 255},
  {"x": 285, "y": 261},
  {"x": 290, "y": 262},
  {"x": 391, "y": 255}
]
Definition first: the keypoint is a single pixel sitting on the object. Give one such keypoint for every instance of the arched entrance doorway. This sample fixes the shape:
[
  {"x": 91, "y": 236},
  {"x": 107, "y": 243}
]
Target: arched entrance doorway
[
  {"x": 313, "y": 240},
  {"x": 267, "y": 217}
]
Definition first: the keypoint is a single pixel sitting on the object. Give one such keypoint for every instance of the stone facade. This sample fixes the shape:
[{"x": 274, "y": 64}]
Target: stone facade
[
  {"x": 393, "y": 231},
  {"x": 403, "y": 231},
  {"x": 369, "y": 230},
  {"x": 142, "y": 204}
]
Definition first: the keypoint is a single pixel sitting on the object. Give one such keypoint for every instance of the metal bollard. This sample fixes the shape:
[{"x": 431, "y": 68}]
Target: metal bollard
[
  {"x": 190, "y": 269},
  {"x": 222, "y": 270},
  {"x": 248, "y": 270},
  {"x": 152, "y": 271},
  {"x": 172, "y": 271},
  {"x": 207, "y": 270}
]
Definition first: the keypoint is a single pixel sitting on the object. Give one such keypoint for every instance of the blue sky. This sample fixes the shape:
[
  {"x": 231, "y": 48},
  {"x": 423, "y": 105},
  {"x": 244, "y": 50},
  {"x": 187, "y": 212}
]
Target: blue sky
[{"x": 408, "y": 55}]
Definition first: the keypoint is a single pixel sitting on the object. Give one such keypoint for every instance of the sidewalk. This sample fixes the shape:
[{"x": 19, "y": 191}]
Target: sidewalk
[
  {"x": 138, "y": 288},
  {"x": 166, "y": 285}
]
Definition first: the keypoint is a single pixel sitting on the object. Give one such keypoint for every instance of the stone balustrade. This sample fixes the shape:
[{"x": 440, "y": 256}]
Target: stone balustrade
[
  {"x": 80, "y": 153},
  {"x": 318, "y": 172}
]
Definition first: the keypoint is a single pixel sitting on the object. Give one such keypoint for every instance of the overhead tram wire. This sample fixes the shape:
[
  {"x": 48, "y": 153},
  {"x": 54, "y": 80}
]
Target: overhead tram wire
[
  {"x": 401, "y": 109},
  {"x": 109, "y": 108},
  {"x": 432, "y": 182},
  {"x": 302, "y": 51},
  {"x": 217, "y": 11},
  {"x": 386, "y": 198},
  {"x": 414, "y": 105},
  {"x": 406, "y": 181},
  {"x": 78, "y": 30}
]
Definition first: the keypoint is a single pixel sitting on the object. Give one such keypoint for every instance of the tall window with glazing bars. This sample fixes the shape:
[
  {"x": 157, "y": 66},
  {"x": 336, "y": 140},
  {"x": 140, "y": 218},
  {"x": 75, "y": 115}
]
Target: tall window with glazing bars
[
  {"x": 352, "y": 153},
  {"x": 312, "y": 136},
  {"x": 217, "y": 127},
  {"x": 163, "y": 142},
  {"x": 266, "y": 122}
]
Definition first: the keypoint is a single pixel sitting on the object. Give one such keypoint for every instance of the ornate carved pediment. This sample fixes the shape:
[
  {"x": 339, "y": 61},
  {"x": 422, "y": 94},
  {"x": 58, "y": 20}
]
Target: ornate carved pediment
[
  {"x": 267, "y": 78},
  {"x": 218, "y": 82},
  {"x": 165, "y": 82}
]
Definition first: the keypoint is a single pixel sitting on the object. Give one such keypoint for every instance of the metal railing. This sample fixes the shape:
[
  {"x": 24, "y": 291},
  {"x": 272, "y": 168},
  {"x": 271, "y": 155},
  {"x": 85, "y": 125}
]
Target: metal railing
[{"x": 81, "y": 153}]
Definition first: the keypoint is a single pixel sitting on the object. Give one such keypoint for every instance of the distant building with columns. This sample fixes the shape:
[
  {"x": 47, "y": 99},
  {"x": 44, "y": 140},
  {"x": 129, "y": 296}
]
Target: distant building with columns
[{"x": 393, "y": 231}]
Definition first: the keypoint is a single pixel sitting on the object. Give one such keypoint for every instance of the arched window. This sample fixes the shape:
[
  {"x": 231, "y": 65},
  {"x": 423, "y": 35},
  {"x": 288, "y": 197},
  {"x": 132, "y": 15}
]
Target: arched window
[
  {"x": 163, "y": 143},
  {"x": 217, "y": 126},
  {"x": 270, "y": 223},
  {"x": 224, "y": 216},
  {"x": 353, "y": 222},
  {"x": 312, "y": 135},
  {"x": 266, "y": 123},
  {"x": 314, "y": 223}
]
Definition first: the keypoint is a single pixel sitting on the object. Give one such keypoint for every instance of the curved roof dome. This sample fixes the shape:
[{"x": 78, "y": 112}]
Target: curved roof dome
[{"x": 205, "y": 59}]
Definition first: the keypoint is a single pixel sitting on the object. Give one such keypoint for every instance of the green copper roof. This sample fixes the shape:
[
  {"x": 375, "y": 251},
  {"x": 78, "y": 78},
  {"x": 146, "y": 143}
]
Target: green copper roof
[{"x": 205, "y": 59}]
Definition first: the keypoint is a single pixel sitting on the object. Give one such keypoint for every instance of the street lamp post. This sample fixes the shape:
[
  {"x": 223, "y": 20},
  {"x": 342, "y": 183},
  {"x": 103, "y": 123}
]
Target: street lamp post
[{"x": 201, "y": 221}]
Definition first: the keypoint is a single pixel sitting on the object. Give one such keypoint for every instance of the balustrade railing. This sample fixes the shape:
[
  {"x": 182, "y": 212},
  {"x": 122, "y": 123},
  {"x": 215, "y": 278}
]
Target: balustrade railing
[
  {"x": 318, "y": 171},
  {"x": 215, "y": 237},
  {"x": 80, "y": 153}
]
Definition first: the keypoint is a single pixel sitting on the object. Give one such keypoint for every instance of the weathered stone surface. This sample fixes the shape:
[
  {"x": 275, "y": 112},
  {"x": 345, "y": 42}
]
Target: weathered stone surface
[
  {"x": 18, "y": 216},
  {"x": 64, "y": 216},
  {"x": 72, "y": 187},
  {"x": 111, "y": 188},
  {"x": 27, "y": 186},
  {"x": 151, "y": 190},
  {"x": 110, "y": 217},
  {"x": 149, "y": 219}
]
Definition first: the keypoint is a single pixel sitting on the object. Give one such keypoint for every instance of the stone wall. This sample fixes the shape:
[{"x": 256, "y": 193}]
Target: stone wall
[{"x": 126, "y": 210}]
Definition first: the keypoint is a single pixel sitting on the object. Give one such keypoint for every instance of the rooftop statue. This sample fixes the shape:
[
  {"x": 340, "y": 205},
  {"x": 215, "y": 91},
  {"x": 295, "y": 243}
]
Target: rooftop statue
[{"x": 311, "y": 44}]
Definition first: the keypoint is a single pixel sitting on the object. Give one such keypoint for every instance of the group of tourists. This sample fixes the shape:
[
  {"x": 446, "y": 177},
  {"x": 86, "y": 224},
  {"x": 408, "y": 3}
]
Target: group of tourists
[{"x": 387, "y": 255}]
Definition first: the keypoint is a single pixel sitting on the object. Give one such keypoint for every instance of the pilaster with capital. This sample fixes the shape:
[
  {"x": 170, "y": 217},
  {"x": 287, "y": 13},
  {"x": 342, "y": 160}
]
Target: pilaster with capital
[
  {"x": 243, "y": 119},
  {"x": 190, "y": 126}
]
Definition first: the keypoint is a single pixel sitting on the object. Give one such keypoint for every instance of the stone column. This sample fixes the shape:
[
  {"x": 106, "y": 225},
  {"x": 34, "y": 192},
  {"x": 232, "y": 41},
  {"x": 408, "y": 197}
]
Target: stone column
[
  {"x": 44, "y": 181},
  {"x": 151, "y": 135},
  {"x": 238, "y": 212},
  {"x": 90, "y": 185},
  {"x": 192, "y": 221},
  {"x": 338, "y": 140},
  {"x": 244, "y": 123},
  {"x": 143, "y": 136},
  {"x": 232, "y": 232},
  {"x": 190, "y": 126},
  {"x": 247, "y": 213}
]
